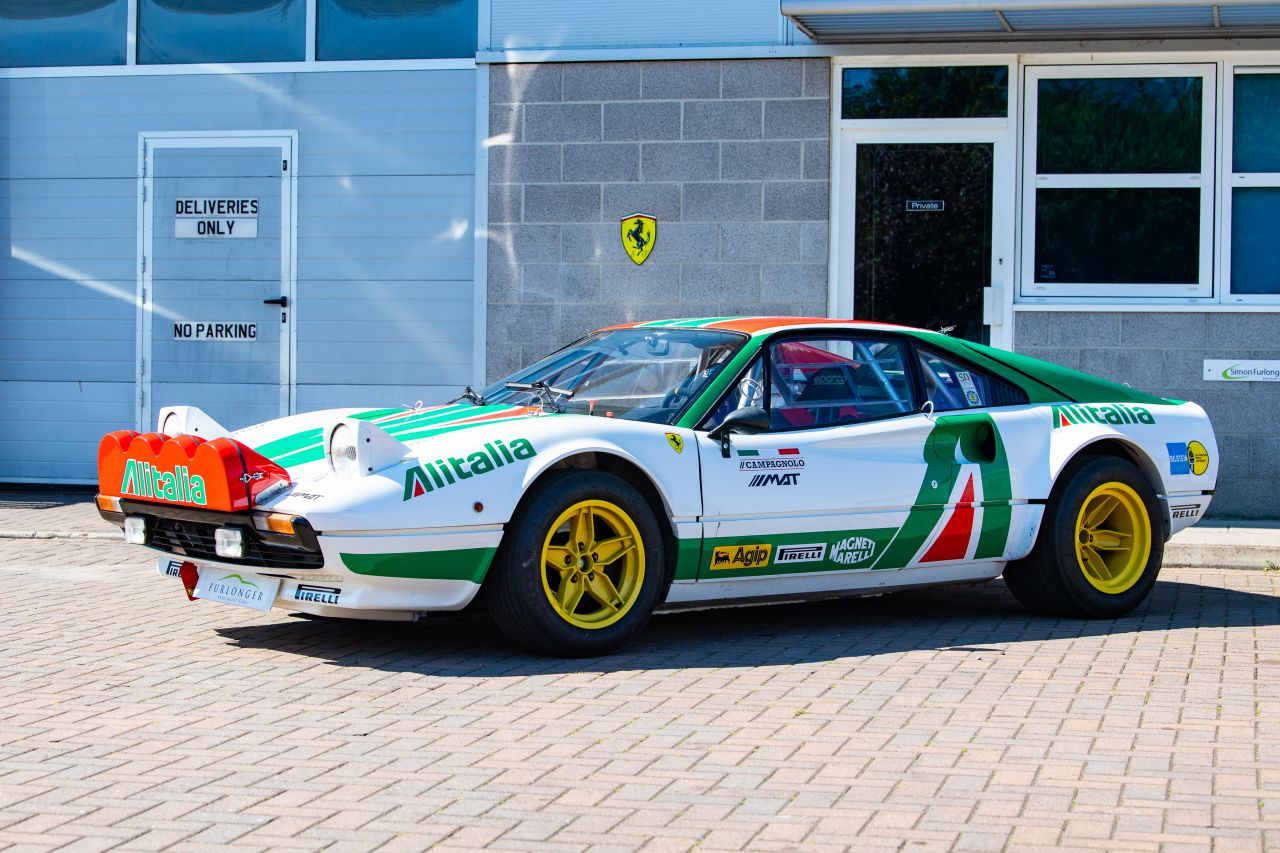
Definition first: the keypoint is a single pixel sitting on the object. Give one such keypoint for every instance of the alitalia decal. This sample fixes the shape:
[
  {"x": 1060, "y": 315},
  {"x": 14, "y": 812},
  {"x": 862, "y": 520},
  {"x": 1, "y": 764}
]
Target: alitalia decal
[
  {"x": 429, "y": 476},
  {"x": 1100, "y": 413},
  {"x": 144, "y": 480}
]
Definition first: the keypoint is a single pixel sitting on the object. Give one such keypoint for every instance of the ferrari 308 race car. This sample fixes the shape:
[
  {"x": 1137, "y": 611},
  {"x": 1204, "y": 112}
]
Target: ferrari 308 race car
[{"x": 680, "y": 463}]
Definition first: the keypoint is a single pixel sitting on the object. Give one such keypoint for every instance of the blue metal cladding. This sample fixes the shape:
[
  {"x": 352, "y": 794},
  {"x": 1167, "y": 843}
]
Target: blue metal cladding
[{"x": 385, "y": 202}]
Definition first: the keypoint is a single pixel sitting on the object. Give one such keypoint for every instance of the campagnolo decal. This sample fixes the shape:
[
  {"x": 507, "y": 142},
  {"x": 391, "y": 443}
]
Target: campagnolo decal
[{"x": 786, "y": 458}]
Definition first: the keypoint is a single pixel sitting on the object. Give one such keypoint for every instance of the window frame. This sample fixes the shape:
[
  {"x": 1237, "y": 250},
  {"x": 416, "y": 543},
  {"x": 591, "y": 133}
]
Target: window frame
[
  {"x": 1205, "y": 180},
  {"x": 905, "y": 345},
  {"x": 921, "y": 349},
  {"x": 1231, "y": 179}
]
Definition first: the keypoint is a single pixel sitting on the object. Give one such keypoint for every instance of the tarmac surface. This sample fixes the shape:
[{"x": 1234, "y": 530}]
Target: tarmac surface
[{"x": 944, "y": 719}]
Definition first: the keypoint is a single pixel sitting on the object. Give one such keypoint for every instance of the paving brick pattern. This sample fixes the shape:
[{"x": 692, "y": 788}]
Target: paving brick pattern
[
  {"x": 44, "y": 512},
  {"x": 929, "y": 720}
]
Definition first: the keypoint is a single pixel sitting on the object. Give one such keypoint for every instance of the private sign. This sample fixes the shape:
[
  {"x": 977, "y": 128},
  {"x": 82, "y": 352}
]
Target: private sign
[{"x": 216, "y": 218}]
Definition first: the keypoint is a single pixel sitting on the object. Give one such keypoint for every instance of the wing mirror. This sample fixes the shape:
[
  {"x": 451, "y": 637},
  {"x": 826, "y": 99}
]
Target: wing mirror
[{"x": 747, "y": 421}]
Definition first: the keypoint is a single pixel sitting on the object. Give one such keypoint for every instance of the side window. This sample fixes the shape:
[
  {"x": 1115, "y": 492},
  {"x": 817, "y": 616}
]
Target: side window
[
  {"x": 826, "y": 381},
  {"x": 950, "y": 385},
  {"x": 748, "y": 393}
]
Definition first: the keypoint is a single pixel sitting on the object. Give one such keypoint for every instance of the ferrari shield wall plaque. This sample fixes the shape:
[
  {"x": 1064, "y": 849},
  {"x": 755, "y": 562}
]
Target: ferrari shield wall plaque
[{"x": 639, "y": 233}]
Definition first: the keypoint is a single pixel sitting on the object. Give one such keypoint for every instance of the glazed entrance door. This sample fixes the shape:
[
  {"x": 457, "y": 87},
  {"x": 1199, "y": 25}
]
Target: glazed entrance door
[{"x": 923, "y": 235}]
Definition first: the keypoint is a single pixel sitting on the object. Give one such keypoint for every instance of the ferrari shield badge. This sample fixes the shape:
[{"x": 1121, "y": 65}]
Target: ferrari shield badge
[
  {"x": 676, "y": 442},
  {"x": 639, "y": 231}
]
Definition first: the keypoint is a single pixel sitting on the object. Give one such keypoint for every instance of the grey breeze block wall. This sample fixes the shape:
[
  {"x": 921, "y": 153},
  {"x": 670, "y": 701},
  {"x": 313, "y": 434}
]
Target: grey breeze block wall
[
  {"x": 731, "y": 157},
  {"x": 1164, "y": 353}
]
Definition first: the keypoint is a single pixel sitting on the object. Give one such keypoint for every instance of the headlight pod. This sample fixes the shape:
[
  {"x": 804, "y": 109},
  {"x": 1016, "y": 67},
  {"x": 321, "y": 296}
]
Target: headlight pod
[
  {"x": 356, "y": 448},
  {"x": 189, "y": 420}
]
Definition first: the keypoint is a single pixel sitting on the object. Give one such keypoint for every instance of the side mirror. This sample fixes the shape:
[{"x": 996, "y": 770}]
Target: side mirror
[{"x": 747, "y": 421}]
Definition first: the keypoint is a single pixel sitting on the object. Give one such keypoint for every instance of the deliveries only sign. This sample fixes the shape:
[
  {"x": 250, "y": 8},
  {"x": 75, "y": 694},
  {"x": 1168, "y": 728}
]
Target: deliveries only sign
[{"x": 216, "y": 218}]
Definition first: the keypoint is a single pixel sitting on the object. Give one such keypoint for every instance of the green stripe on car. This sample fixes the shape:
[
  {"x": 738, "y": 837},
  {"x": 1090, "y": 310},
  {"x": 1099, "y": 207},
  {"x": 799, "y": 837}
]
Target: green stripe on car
[{"x": 464, "y": 564}]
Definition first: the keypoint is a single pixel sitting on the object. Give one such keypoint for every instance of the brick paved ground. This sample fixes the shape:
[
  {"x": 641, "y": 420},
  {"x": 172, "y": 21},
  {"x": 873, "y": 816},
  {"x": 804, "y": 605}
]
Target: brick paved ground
[{"x": 923, "y": 720}]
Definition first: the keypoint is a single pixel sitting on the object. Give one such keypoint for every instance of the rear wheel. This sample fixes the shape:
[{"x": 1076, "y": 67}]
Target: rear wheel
[
  {"x": 581, "y": 567},
  {"x": 1100, "y": 545}
]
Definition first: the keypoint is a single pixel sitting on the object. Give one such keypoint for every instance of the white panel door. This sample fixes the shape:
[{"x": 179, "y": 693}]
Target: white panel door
[{"x": 217, "y": 312}]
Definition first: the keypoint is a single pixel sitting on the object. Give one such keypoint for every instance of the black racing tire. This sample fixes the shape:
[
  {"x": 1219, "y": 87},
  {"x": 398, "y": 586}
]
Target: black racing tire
[
  {"x": 1060, "y": 579},
  {"x": 519, "y": 586}
]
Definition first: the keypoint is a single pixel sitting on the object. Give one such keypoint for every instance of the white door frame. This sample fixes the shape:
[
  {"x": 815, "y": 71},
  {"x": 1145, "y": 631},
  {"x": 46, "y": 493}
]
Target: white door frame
[
  {"x": 998, "y": 297},
  {"x": 148, "y": 143}
]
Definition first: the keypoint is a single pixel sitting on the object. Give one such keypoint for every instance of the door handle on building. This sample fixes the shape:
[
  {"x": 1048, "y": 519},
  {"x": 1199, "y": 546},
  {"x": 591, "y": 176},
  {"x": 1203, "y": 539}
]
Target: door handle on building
[{"x": 283, "y": 302}]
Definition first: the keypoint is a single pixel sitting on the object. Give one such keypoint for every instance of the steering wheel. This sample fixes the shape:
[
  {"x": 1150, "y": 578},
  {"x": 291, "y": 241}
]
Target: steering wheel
[{"x": 750, "y": 390}]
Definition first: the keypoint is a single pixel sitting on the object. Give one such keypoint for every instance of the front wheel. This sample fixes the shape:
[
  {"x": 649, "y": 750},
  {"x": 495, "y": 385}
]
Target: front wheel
[
  {"x": 580, "y": 568},
  {"x": 1100, "y": 545}
]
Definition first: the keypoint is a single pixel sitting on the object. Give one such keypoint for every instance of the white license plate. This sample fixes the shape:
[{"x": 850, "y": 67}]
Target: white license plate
[{"x": 242, "y": 588}]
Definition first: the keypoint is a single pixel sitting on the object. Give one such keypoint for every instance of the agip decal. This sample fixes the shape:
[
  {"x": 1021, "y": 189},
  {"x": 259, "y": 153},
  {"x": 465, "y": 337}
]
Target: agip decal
[{"x": 755, "y": 556}]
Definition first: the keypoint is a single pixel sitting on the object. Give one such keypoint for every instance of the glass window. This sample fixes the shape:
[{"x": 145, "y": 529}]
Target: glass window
[
  {"x": 1257, "y": 123},
  {"x": 395, "y": 29},
  {"x": 1254, "y": 214},
  {"x": 1119, "y": 167},
  {"x": 828, "y": 381},
  {"x": 63, "y": 32},
  {"x": 1118, "y": 125},
  {"x": 962, "y": 91},
  {"x": 185, "y": 31},
  {"x": 640, "y": 374},
  {"x": 950, "y": 385},
  {"x": 1253, "y": 193},
  {"x": 1120, "y": 236}
]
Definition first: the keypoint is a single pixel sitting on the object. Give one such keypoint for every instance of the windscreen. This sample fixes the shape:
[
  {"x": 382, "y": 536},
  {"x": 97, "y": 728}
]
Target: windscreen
[{"x": 639, "y": 374}]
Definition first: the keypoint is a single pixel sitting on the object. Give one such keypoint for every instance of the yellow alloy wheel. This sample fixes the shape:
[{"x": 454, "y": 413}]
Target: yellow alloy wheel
[
  {"x": 593, "y": 564},
  {"x": 1113, "y": 538}
]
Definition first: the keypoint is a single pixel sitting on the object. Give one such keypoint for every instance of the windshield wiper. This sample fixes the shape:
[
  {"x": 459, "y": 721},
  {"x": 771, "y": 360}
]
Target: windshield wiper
[
  {"x": 544, "y": 391},
  {"x": 468, "y": 394}
]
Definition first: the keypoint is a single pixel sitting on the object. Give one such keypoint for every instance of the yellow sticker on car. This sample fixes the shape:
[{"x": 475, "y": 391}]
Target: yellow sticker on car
[
  {"x": 741, "y": 557},
  {"x": 676, "y": 442},
  {"x": 1197, "y": 457}
]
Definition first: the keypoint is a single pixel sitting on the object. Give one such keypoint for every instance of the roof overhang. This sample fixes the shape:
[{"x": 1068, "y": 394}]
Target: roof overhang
[{"x": 860, "y": 21}]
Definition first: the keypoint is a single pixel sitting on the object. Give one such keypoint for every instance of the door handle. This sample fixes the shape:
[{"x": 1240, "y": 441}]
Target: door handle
[{"x": 283, "y": 302}]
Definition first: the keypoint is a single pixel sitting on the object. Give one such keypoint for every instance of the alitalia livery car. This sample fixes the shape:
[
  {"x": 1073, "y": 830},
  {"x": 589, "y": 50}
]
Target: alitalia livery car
[{"x": 680, "y": 463}]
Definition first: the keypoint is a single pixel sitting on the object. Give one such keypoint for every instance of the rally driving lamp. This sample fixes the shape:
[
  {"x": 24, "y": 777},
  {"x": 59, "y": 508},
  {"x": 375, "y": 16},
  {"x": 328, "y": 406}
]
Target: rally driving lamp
[{"x": 356, "y": 448}]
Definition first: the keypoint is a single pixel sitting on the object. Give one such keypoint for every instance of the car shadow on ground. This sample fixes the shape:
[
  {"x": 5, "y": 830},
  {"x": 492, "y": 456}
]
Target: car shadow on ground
[{"x": 970, "y": 619}]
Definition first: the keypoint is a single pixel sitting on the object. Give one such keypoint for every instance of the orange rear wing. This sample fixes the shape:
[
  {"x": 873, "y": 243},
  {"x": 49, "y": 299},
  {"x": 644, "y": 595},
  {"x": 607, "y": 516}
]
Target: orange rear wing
[{"x": 221, "y": 474}]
